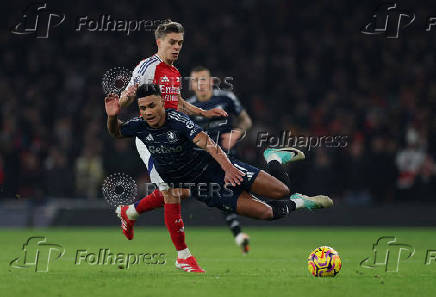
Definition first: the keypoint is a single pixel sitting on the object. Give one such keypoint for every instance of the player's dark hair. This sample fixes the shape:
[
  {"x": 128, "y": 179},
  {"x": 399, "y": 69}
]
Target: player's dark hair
[
  {"x": 167, "y": 27},
  {"x": 200, "y": 68},
  {"x": 147, "y": 90}
]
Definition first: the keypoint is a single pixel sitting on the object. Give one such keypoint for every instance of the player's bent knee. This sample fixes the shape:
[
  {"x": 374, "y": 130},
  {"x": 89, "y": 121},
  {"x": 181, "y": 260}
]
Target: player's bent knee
[
  {"x": 266, "y": 214},
  {"x": 170, "y": 196},
  {"x": 285, "y": 191},
  {"x": 280, "y": 191}
]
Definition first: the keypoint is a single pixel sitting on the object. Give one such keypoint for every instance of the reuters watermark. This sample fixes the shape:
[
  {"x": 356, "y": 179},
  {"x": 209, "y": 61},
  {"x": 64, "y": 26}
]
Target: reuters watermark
[
  {"x": 200, "y": 190},
  {"x": 287, "y": 139}
]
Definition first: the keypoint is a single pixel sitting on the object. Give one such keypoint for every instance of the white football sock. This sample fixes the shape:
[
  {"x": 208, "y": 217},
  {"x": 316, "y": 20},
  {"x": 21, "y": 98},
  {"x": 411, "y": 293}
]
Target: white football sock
[
  {"x": 131, "y": 212},
  {"x": 240, "y": 238},
  {"x": 299, "y": 203},
  {"x": 272, "y": 157},
  {"x": 184, "y": 254}
]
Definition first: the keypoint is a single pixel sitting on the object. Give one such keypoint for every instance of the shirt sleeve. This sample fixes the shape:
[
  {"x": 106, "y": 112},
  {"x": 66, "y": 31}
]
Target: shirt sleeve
[
  {"x": 184, "y": 124},
  {"x": 144, "y": 72},
  {"x": 131, "y": 127},
  {"x": 235, "y": 104}
]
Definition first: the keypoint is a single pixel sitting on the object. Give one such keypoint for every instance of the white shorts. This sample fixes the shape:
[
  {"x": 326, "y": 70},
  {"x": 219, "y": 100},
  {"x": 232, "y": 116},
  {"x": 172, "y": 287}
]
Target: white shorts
[{"x": 154, "y": 175}]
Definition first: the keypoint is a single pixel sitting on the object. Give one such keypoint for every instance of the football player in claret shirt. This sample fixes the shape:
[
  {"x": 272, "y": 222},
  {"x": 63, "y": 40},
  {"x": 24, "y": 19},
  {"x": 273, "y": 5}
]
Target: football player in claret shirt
[
  {"x": 185, "y": 156},
  {"x": 225, "y": 131},
  {"x": 160, "y": 70}
]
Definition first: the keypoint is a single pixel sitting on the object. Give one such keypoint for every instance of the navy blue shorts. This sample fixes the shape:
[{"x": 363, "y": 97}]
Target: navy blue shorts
[{"x": 209, "y": 186}]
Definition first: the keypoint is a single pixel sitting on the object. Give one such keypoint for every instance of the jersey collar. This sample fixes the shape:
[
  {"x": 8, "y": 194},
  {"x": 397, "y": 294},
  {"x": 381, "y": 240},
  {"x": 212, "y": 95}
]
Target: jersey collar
[{"x": 157, "y": 56}]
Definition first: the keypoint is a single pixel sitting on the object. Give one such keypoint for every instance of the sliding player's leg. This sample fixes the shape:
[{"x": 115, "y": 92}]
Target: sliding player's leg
[
  {"x": 173, "y": 220},
  {"x": 242, "y": 239},
  {"x": 277, "y": 158},
  {"x": 270, "y": 187},
  {"x": 251, "y": 207},
  {"x": 283, "y": 155}
]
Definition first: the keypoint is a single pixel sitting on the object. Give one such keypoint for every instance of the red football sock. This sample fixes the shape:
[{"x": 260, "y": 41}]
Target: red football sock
[
  {"x": 150, "y": 202},
  {"x": 174, "y": 223}
]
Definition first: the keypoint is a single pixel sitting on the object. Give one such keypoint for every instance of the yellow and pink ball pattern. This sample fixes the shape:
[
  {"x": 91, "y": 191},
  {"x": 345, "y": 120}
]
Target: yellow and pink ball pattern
[{"x": 324, "y": 261}]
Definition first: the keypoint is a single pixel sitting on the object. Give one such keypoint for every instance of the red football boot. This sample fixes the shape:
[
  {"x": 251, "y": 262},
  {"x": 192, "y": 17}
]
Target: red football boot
[
  {"x": 126, "y": 224},
  {"x": 189, "y": 265}
]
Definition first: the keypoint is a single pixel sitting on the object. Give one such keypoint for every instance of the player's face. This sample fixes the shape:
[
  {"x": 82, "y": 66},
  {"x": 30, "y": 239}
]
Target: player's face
[
  {"x": 201, "y": 83},
  {"x": 152, "y": 110},
  {"x": 170, "y": 46}
]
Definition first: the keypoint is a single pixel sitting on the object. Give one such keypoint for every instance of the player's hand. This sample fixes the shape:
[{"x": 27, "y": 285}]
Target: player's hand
[
  {"x": 233, "y": 175},
  {"x": 214, "y": 112},
  {"x": 112, "y": 104},
  {"x": 228, "y": 140},
  {"x": 128, "y": 95}
]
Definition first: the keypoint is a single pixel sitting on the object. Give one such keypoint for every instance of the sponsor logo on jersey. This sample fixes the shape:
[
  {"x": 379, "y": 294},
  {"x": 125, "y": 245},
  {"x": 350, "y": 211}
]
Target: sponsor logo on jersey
[
  {"x": 164, "y": 79},
  {"x": 149, "y": 137},
  {"x": 161, "y": 149},
  {"x": 171, "y": 136}
]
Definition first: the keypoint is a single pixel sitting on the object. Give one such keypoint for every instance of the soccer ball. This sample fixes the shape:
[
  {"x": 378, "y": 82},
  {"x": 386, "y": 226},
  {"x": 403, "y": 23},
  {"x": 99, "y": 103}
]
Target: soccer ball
[{"x": 324, "y": 261}]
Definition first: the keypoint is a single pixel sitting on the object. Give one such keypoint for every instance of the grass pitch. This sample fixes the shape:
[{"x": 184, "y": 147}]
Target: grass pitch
[{"x": 275, "y": 266}]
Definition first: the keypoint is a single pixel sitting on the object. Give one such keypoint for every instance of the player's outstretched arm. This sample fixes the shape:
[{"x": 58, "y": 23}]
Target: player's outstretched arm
[
  {"x": 190, "y": 109},
  {"x": 233, "y": 175},
  {"x": 243, "y": 124},
  {"x": 244, "y": 121},
  {"x": 112, "y": 106}
]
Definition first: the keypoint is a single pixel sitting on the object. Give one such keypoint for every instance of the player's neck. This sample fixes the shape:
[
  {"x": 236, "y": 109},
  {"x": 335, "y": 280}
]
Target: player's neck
[
  {"x": 205, "y": 98},
  {"x": 165, "y": 60}
]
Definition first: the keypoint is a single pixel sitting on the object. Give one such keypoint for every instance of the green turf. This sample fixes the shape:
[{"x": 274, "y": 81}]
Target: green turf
[{"x": 276, "y": 265}]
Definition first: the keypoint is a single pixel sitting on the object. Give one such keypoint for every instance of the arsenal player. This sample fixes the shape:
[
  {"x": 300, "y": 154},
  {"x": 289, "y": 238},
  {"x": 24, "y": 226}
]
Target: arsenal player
[{"x": 159, "y": 69}]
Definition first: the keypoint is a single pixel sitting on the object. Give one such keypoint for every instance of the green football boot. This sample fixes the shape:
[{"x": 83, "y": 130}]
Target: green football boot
[
  {"x": 283, "y": 155},
  {"x": 314, "y": 202}
]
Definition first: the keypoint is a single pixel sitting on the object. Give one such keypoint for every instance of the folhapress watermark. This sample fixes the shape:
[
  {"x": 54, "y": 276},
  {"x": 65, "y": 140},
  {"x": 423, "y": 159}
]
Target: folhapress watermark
[
  {"x": 38, "y": 21},
  {"x": 107, "y": 257},
  {"x": 389, "y": 20},
  {"x": 287, "y": 139},
  {"x": 109, "y": 23},
  {"x": 38, "y": 254},
  {"x": 387, "y": 254}
]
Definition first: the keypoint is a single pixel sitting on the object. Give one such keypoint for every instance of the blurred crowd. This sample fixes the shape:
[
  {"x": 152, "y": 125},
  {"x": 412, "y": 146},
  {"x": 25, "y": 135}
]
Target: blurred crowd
[{"x": 299, "y": 67}]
